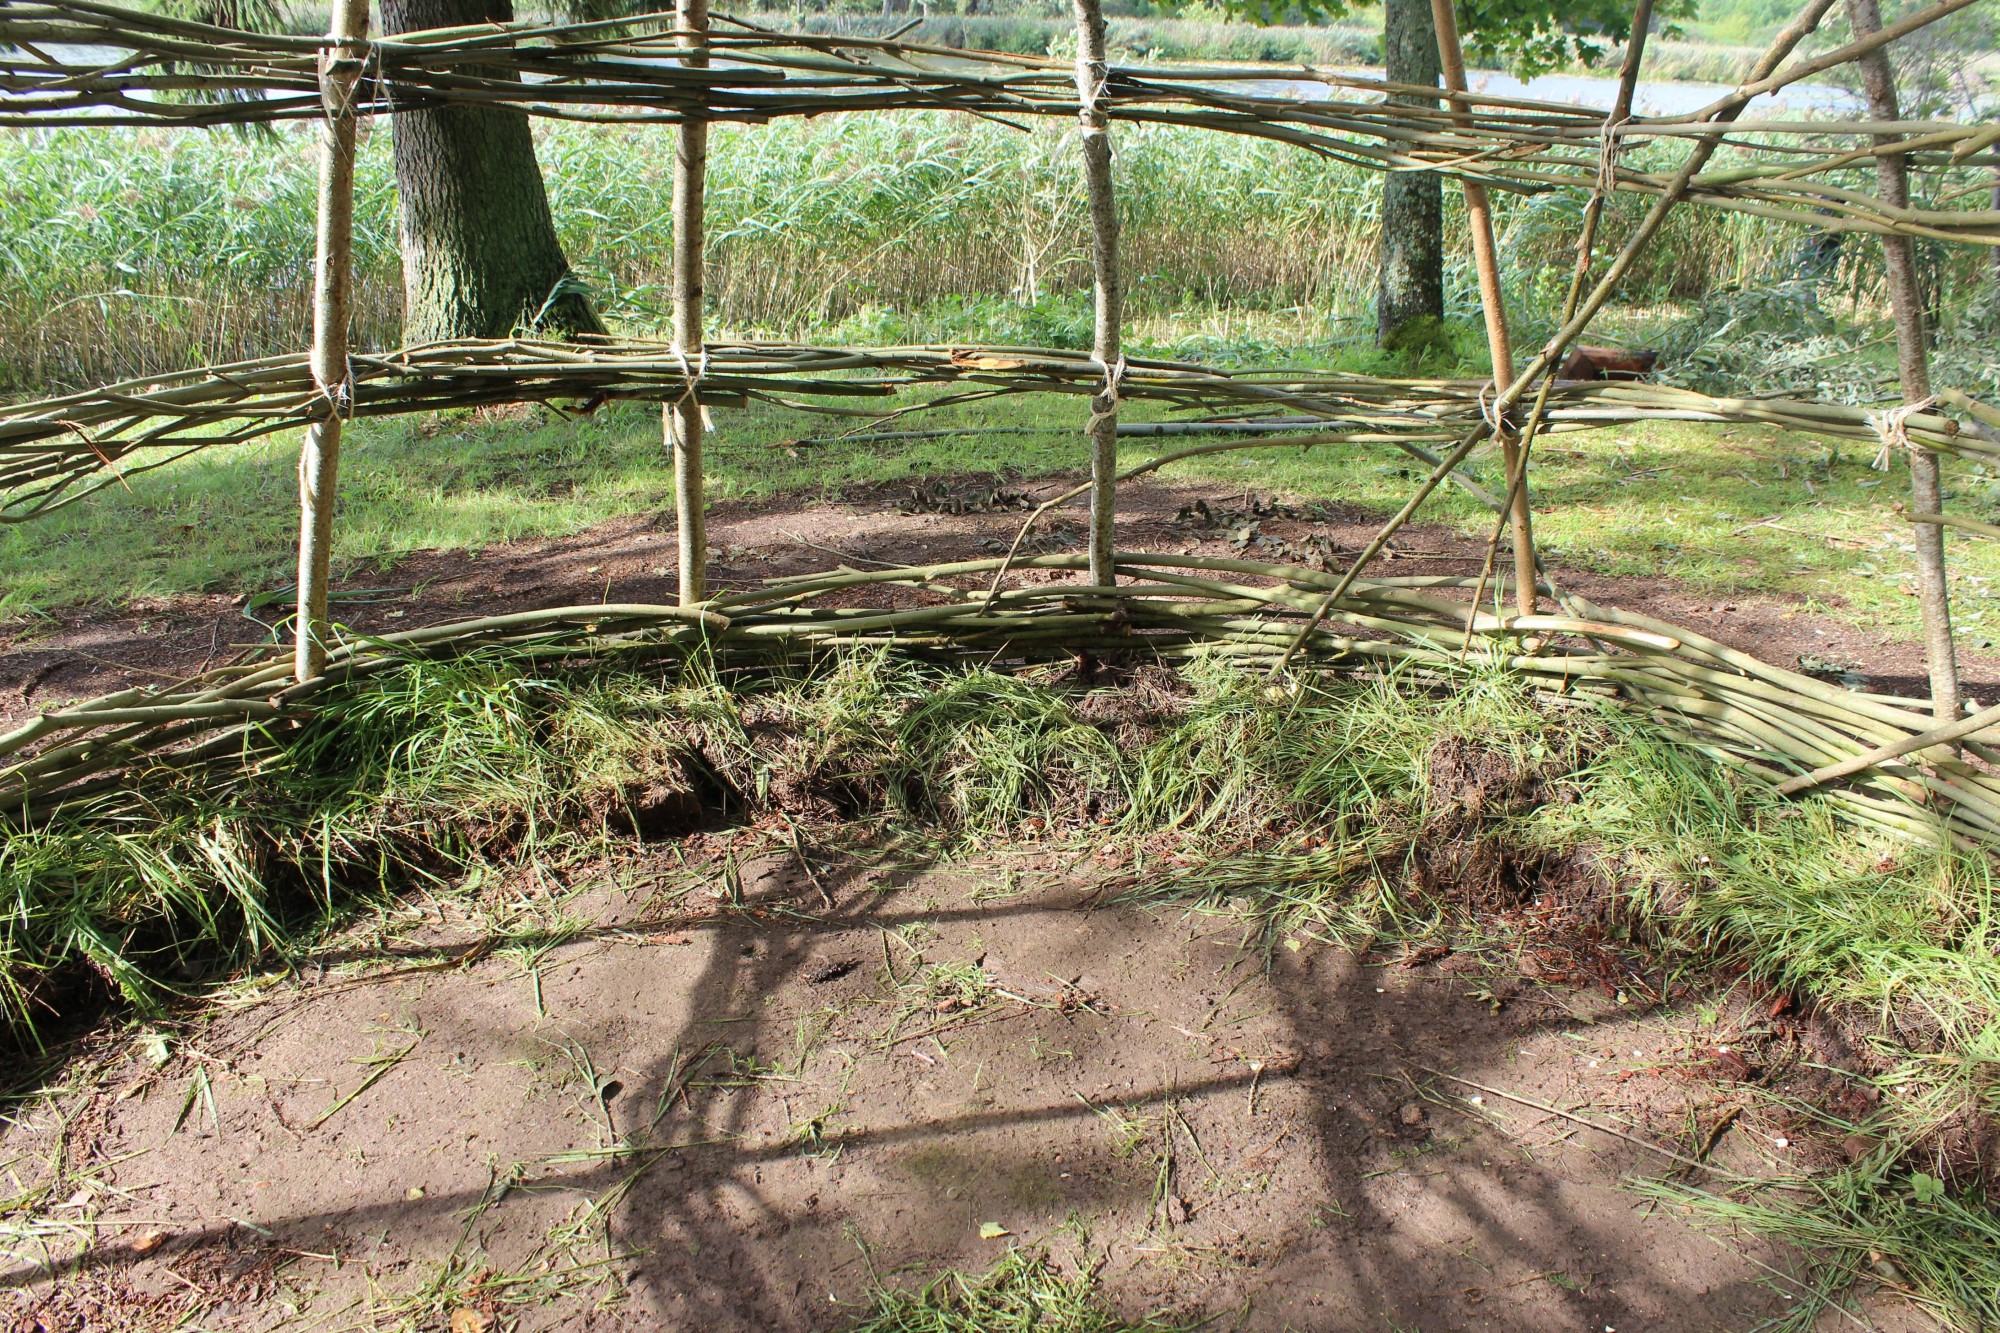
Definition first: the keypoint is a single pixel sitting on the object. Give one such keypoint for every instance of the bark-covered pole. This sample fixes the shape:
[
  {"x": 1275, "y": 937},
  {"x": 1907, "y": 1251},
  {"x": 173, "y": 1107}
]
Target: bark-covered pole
[
  {"x": 1492, "y": 304},
  {"x": 1906, "y": 303},
  {"x": 333, "y": 288},
  {"x": 683, "y": 416},
  {"x": 1108, "y": 288}
]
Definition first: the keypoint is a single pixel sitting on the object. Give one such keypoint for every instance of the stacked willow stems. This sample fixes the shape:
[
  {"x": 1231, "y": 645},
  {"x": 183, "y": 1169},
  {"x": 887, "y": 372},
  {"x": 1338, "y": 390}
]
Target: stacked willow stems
[
  {"x": 56, "y": 451},
  {"x": 1770, "y": 723},
  {"x": 644, "y": 69}
]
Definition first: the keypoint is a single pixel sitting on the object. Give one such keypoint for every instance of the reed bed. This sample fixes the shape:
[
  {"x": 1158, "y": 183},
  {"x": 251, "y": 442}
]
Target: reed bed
[
  {"x": 57, "y": 451},
  {"x": 1770, "y": 724},
  {"x": 140, "y": 251},
  {"x": 625, "y": 70}
]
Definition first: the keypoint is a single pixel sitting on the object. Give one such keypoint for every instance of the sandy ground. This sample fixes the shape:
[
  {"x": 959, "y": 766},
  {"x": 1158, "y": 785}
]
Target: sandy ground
[{"x": 697, "y": 1114}]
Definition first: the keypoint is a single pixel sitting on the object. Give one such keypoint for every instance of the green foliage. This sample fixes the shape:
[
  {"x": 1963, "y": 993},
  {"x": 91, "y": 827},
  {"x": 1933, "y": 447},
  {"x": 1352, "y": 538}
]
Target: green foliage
[
  {"x": 1529, "y": 37},
  {"x": 128, "y": 252},
  {"x": 1534, "y": 36},
  {"x": 1742, "y": 20}
]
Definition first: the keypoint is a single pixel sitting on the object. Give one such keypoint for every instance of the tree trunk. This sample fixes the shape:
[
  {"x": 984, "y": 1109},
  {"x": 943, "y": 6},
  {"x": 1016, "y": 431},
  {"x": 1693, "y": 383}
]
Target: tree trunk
[
  {"x": 1410, "y": 263},
  {"x": 480, "y": 255}
]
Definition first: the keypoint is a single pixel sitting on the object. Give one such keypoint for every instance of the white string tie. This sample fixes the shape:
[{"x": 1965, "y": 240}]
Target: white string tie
[
  {"x": 1893, "y": 426},
  {"x": 1105, "y": 405}
]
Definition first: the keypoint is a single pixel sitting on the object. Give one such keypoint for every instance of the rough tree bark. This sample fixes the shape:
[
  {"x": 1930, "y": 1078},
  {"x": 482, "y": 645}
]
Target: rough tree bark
[
  {"x": 1906, "y": 301},
  {"x": 480, "y": 254},
  {"x": 1410, "y": 262}
]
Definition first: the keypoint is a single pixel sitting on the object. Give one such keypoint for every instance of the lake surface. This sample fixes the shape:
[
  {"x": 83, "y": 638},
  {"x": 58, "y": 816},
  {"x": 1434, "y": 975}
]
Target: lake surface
[{"x": 1598, "y": 91}]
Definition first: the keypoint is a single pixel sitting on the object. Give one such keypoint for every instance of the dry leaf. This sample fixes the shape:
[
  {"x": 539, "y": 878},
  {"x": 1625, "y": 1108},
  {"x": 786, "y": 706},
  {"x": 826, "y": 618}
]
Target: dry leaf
[
  {"x": 992, "y": 1231},
  {"x": 471, "y": 1321}
]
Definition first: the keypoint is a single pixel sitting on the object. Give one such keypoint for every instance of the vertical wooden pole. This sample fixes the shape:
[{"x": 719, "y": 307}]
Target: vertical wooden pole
[
  {"x": 683, "y": 418},
  {"x": 1906, "y": 303},
  {"x": 1108, "y": 287},
  {"x": 333, "y": 286},
  {"x": 1493, "y": 305}
]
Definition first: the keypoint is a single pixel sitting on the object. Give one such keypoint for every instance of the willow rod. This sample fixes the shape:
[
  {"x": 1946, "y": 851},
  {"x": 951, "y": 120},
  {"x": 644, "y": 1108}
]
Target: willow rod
[
  {"x": 59, "y": 450},
  {"x": 1107, "y": 285},
  {"x": 1493, "y": 310},
  {"x": 333, "y": 286},
  {"x": 633, "y": 70},
  {"x": 685, "y": 418},
  {"x": 1782, "y": 46},
  {"x": 1906, "y": 302},
  {"x": 1586, "y": 250},
  {"x": 1770, "y": 723}
]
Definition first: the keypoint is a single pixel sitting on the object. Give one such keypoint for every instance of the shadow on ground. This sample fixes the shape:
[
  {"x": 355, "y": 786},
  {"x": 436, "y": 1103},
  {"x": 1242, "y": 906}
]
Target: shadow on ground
[{"x": 700, "y": 1114}]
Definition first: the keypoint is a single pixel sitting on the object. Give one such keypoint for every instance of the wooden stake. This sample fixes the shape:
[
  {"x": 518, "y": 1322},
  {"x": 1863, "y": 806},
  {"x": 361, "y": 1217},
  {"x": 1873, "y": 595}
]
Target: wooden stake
[
  {"x": 1906, "y": 302},
  {"x": 333, "y": 287},
  {"x": 683, "y": 418},
  {"x": 1493, "y": 305},
  {"x": 1108, "y": 289},
  {"x": 1586, "y": 249}
]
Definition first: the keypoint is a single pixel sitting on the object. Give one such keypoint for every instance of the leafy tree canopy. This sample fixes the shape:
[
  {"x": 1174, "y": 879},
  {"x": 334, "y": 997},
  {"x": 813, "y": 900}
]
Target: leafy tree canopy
[{"x": 1529, "y": 37}]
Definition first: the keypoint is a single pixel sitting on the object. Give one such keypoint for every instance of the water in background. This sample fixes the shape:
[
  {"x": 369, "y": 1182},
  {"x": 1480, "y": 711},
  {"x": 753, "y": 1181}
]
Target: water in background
[{"x": 1590, "y": 90}]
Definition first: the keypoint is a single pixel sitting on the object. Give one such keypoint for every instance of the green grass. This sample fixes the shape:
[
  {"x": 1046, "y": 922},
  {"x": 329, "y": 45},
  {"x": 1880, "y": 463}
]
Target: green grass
[
  {"x": 1938, "y": 1246},
  {"x": 1022, "y": 1293}
]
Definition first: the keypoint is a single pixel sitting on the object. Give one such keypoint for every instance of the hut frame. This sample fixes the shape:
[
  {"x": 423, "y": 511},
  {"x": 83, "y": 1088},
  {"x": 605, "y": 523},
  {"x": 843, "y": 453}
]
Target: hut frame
[{"x": 1924, "y": 771}]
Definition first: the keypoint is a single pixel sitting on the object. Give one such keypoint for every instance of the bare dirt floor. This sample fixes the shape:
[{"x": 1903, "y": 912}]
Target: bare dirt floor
[
  {"x": 84, "y": 652},
  {"x": 680, "y": 1095},
  {"x": 743, "y": 1105}
]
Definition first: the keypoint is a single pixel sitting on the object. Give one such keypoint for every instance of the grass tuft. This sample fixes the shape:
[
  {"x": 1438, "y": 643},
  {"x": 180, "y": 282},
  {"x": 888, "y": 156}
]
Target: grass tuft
[
  {"x": 1875, "y": 1221},
  {"x": 1022, "y": 1293}
]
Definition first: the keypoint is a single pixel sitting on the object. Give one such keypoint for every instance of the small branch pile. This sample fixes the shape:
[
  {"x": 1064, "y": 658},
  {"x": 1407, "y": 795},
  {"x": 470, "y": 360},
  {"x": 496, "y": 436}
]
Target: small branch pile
[
  {"x": 58, "y": 450},
  {"x": 1769, "y": 723},
  {"x": 55, "y": 70}
]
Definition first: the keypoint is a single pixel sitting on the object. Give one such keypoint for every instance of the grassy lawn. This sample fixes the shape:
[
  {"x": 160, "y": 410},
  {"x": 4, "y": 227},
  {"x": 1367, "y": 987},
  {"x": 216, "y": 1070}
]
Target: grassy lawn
[{"x": 1725, "y": 511}]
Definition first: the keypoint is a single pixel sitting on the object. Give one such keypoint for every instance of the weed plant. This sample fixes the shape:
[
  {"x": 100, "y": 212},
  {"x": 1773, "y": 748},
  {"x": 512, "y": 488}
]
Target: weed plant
[{"x": 1934, "y": 1244}]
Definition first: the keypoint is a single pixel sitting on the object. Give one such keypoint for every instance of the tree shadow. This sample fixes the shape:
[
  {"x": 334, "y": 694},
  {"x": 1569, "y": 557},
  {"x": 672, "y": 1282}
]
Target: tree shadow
[{"x": 722, "y": 1215}]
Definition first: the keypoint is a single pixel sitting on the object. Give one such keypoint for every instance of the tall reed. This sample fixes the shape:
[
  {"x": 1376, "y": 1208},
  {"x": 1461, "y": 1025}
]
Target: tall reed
[{"x": 134, "y": 252}]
